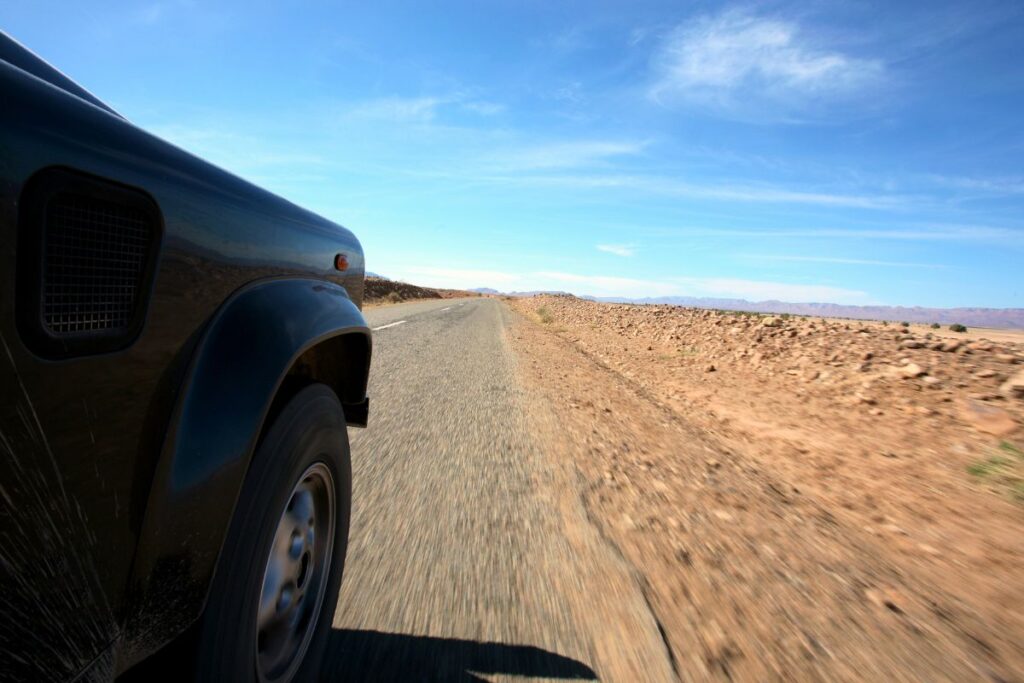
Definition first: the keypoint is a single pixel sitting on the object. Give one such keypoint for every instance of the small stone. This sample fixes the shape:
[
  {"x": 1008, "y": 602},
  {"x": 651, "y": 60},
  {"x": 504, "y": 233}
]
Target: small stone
[
  {"x": 709, "y": 368},
  {"x": 911, "y": 344},
  {"x": 931, "y": 381},
  {"x": 723, "y": 515},
  {"x": 951, "y": 345},
  {"x": 1006, "y": 358},
  {"x": 911, "y": 370},
  {"x": 983, "y": 374},
  {"x": 887, "y": 598}
]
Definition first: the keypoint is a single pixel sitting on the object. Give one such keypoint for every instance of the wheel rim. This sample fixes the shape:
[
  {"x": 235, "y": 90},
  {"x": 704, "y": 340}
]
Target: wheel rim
[{"x": 295, "y": 576}]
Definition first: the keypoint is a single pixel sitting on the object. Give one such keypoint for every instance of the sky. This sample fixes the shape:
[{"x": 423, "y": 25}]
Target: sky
[{"x": 851, "y": 152}]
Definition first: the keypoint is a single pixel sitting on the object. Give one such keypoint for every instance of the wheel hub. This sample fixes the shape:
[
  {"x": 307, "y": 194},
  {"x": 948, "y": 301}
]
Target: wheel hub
[{"x": 295, "y": 576}]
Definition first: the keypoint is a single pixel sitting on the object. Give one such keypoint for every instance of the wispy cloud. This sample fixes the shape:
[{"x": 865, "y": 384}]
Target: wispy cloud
[
  {"x": 627, "y": 287},
  {"x": 571, "y": 154},
  {"x": 664, "y": 185},
  {"x": 839, "y": 260},
  {"x": 617, "y": 249},
  {"x": 997, "y": 186},
  {"x": 398, "y": 109},
  {"x": 758, "y": 290},
  {"x": 149, "y": 14},
  {"x": 924, "y": 232},
  {"x": 739, "y": 61},
  {"x": 484, "y": 108}
]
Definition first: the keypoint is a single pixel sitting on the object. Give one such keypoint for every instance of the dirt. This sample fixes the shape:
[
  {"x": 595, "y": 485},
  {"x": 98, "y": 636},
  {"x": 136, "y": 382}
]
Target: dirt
[
  {"x": 800, "y": 499},
  {"x": 381, "y": 291}
]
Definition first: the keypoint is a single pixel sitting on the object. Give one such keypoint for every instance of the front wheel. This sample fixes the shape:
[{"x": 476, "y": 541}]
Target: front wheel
[{"x": 272, "y": 601}]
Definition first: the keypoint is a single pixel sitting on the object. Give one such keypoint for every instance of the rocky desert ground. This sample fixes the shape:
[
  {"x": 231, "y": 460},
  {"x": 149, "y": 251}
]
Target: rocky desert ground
[{"x": 798, "y": 498}]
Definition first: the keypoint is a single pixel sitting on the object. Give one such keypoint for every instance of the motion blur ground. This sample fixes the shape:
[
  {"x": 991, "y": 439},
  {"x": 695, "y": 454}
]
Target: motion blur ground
[
  {"x": 470, "y": 553},
  {"x": 796, "y": 500}
]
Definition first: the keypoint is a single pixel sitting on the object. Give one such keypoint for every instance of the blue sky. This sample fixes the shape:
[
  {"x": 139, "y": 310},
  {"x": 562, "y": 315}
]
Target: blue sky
[{"x": 850, "y": 152}]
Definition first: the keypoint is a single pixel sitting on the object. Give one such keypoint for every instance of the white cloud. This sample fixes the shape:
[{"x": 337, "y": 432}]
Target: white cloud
[
  {"x": 626, "y": 287},
  {"x": 999, "y": 186},
  {"x": 928, "y": 232},
  {"x": 738, "y": 61},
  {"x": 766, "y": 194},
  {"x": 758, "y": 290},
  {"x": 399, "y": 109},
  {"x": 484, "y": 108},
  {"x": 582, "y": 153},
  {"x": 617, "y": 249},
  {"x": 843, "y": 261},
  {"x": 149, "y": 14}
]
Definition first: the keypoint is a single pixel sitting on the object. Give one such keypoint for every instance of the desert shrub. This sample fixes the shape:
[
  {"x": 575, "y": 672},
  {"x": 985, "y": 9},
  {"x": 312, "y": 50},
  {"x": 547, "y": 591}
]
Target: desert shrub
[
  {"x": 545, "y": 315},
  {"x": 785, "y": 316},
  {"x": 905, "y": 324},
  {"x": 957, "y": 327},
  {"x": 393, "y": 297},
  {"x": 935, "y": 326}
]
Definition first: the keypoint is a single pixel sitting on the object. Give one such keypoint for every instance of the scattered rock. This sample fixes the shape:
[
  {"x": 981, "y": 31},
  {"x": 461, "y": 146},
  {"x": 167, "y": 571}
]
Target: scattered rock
[
  {"x": 911, "y": 370},
  {"x": 951, "y": 345},
  {"x": 1013, "y": 387},
  {"x": 911, "y": 344},
  {"x": 1006, "y": 358},
  {"x": 709, "y": 368},
  {"x": 988, "y": 419},
  {"x": 984, "y": 374}
]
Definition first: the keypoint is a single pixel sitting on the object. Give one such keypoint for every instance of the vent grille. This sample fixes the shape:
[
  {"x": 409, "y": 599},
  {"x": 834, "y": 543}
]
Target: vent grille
[
  {"x": 94, "y": 258},
  {"x": 87, "y": 255}
]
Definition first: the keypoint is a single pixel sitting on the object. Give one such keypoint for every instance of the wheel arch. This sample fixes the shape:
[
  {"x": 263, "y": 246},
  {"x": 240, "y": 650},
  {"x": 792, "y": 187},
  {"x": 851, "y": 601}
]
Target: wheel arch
[{"x": 265, "y": 342}]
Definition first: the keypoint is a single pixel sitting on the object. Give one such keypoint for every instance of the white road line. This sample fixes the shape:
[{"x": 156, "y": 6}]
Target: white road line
[
  {"x": 447, "y": 309},
  {"x": 384, "y": 327}
]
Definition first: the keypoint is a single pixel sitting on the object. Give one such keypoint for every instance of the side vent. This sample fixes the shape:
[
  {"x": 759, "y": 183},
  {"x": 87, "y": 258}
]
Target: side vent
[{"x": 86, "y": 256}]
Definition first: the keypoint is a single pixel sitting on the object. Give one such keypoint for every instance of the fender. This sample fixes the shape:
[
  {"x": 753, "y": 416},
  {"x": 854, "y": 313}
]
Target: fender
[{"x": 235, "y": 371}]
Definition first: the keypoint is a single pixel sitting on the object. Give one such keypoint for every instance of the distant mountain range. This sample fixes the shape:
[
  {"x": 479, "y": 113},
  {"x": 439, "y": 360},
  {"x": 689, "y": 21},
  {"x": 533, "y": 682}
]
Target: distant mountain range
[
  {"x": 1006, "y": 318},
  {"x": 974, "y": 317}
]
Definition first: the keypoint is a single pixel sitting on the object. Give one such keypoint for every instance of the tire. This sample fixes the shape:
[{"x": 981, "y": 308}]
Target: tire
[{"x": 251, "y": 622}]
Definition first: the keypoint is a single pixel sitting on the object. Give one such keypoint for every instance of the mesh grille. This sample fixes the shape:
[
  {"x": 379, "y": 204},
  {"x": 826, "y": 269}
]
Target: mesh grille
[{"x": 93, "y": 262}]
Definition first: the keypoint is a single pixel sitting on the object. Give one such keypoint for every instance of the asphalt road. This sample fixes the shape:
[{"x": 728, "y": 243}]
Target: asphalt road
[{"x": 469, "y": 556}]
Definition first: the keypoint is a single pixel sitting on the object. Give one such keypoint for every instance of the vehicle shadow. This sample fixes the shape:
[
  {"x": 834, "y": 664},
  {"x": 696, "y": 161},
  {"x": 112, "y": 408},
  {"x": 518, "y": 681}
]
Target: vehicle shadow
[{"x": 376, "y": 656}]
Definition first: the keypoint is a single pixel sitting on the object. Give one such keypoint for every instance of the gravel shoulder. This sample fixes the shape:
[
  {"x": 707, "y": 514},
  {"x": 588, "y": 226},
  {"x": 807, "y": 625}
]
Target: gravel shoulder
[{"x": 780, "y": 526}]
